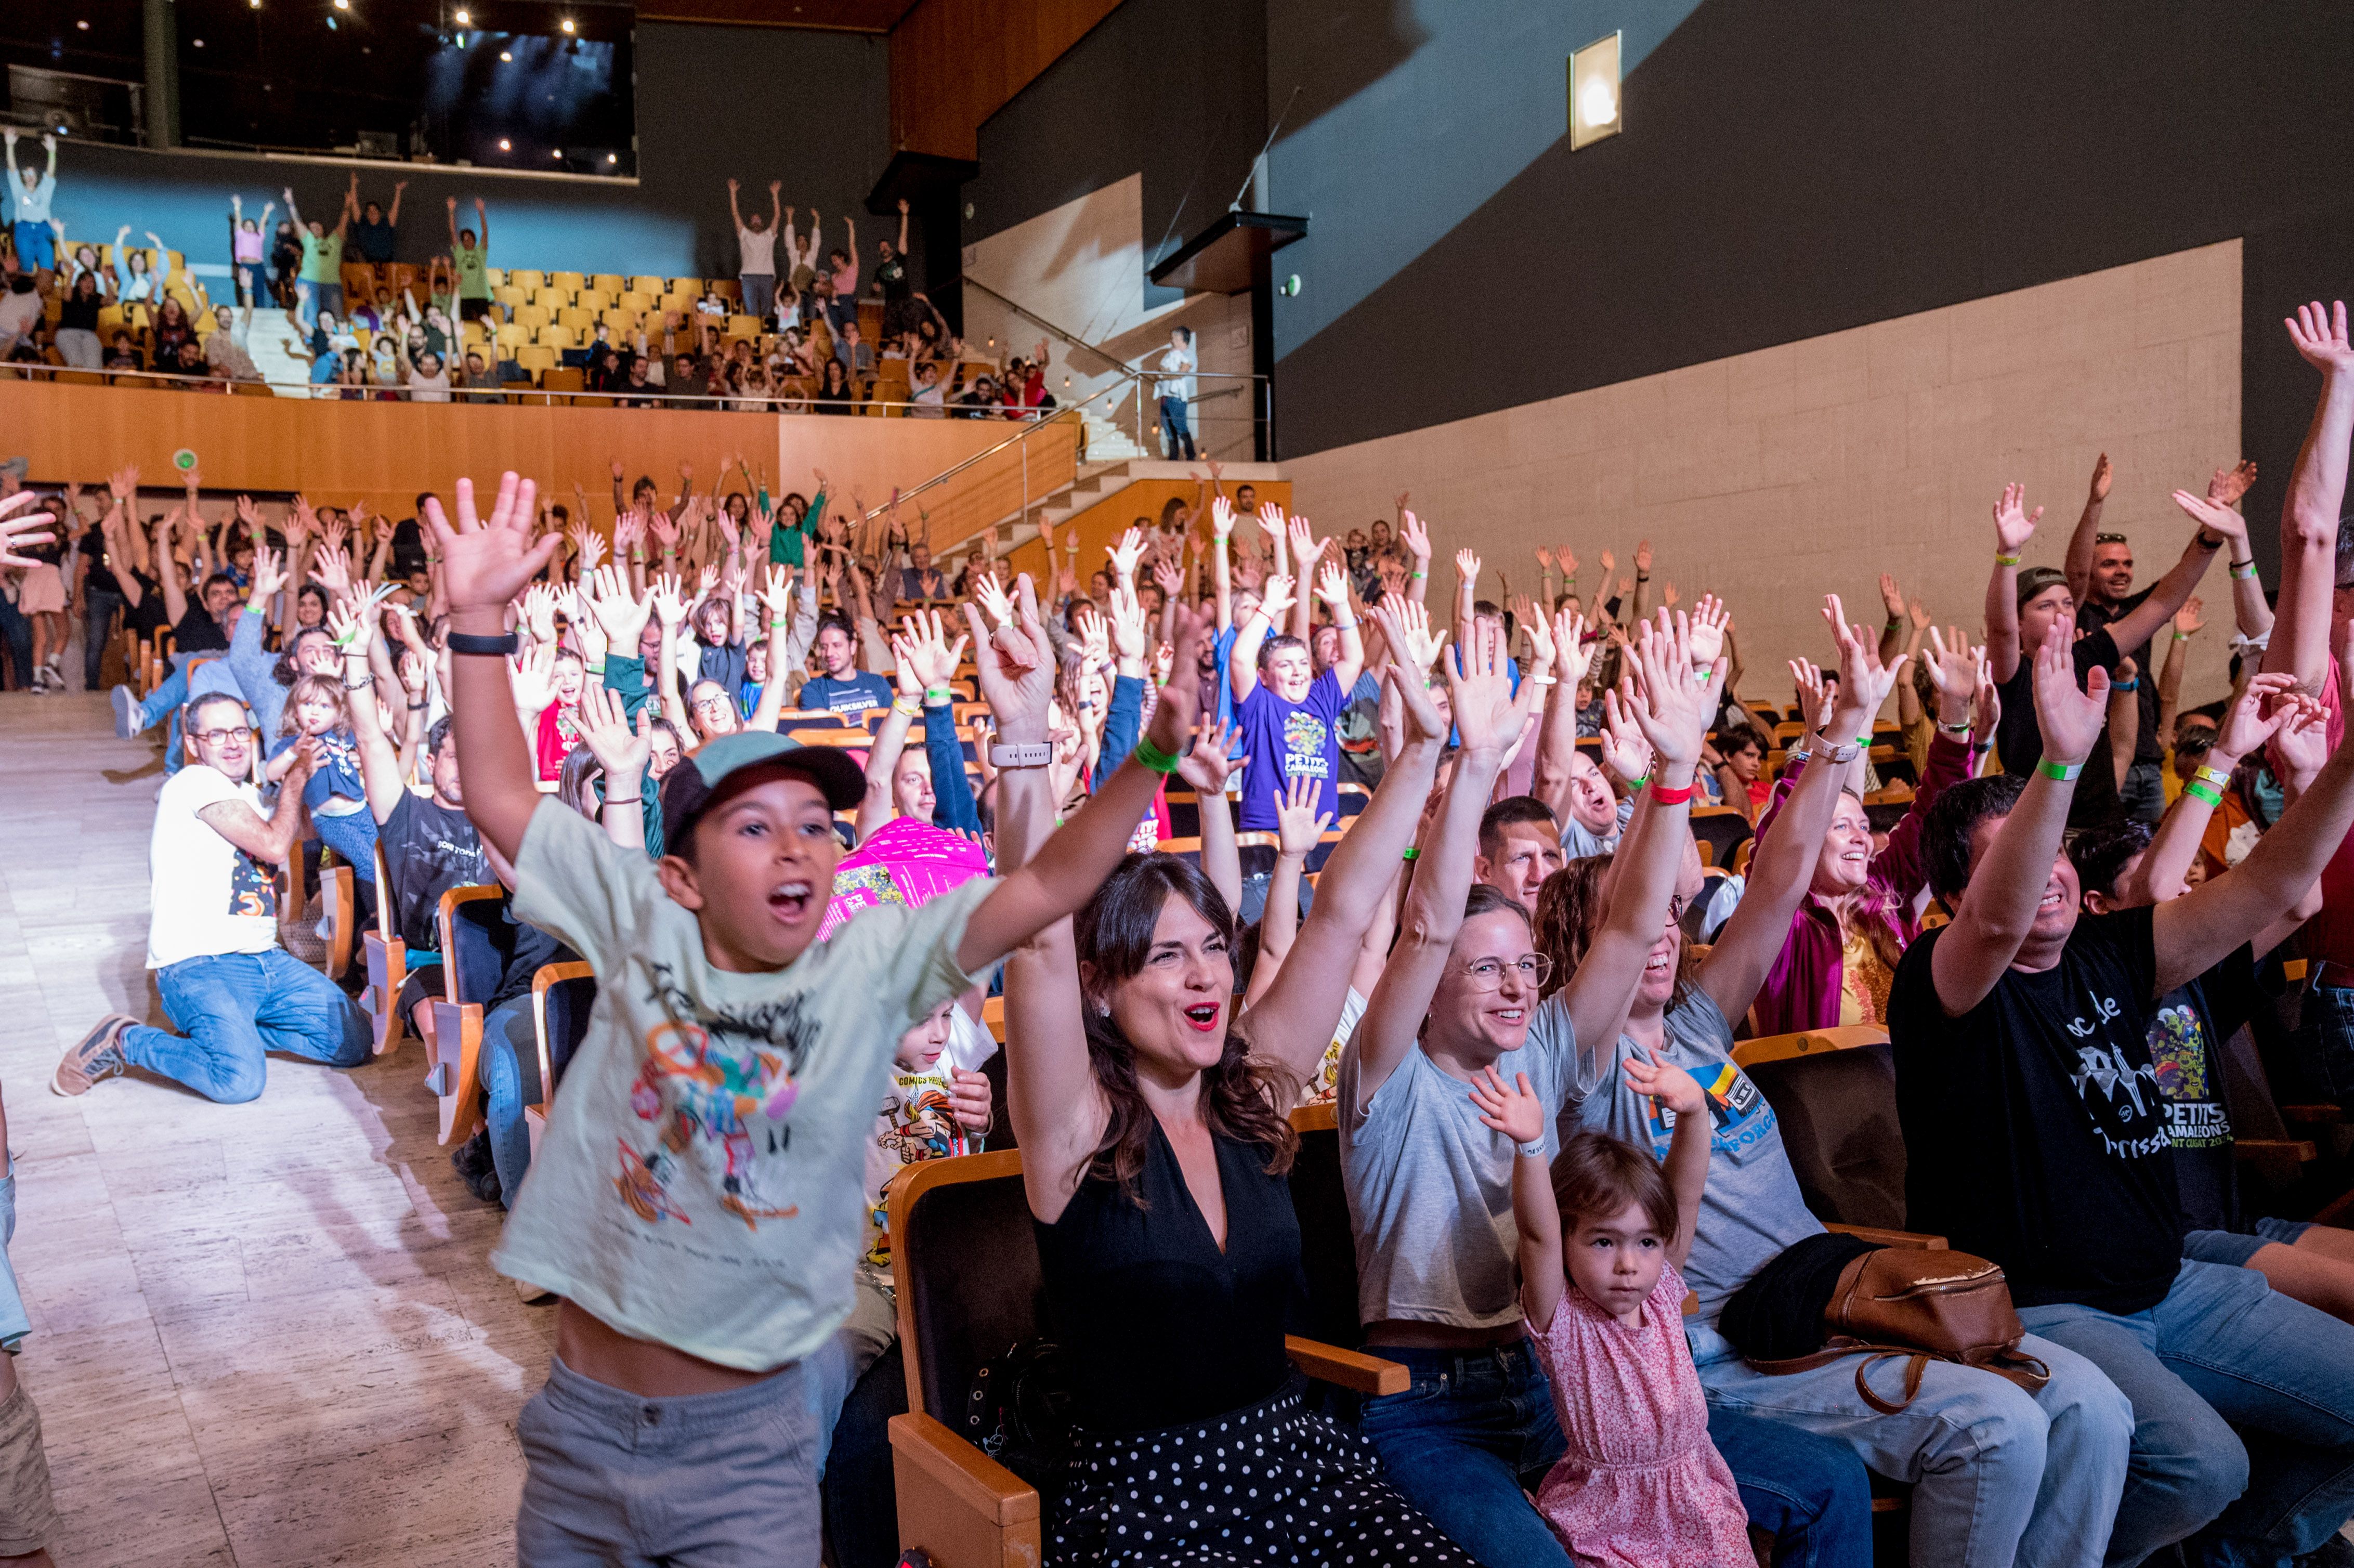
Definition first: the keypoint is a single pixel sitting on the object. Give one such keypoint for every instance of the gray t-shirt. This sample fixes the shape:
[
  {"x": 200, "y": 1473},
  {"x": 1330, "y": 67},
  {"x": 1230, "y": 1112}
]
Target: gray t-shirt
[
  {"x": 1580, "y": 842},
  {"x": 1422, "y": 1172},
  {"x": 1752, "y": 1210}
]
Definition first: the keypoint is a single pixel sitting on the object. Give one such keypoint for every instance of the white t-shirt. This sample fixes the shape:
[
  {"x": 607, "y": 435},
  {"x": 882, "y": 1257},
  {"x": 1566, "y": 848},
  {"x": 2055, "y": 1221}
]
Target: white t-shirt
[
  {"x": 759, "y": 248},
  {"x": 205, "y": 895},
  {"x": 1176, "y": 374},
  {"x": 702, "y": 1180},
  {"x": 18, "y": 314}
]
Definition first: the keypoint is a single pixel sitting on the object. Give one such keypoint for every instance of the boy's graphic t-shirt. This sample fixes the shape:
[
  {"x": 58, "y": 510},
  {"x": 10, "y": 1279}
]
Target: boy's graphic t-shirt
[
  {"x": 1285, "y": 741},
  {"x": 2036, "y": 1131},
  {"x": 918, "y": 1123},
  {"x": 701, "y": 1179}
]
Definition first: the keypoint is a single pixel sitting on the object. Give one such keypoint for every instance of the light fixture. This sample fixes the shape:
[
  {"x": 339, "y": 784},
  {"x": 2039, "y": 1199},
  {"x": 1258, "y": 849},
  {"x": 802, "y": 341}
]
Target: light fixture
[
  {"x": 568, "y": 26},
  {"x": 343, "y": 5},
  {"x": 557, "y": 153},
  {"x": 505, "y": 146},
  {"x": 613, "y": 157},
  {"x": 197, "y": 43},
  {"x": 255, "y": 4},
  {"x": 507, "y": 54},
  {"x": 81, "y": 26},
  {"x": 465, "y": 17},
  {"x": 1595, "y": 107}
]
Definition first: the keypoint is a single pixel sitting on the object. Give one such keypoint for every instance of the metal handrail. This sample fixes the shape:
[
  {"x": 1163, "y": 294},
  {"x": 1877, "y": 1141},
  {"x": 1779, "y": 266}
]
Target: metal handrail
[
  {"x": 1028, "y": 430},
  {"x": 1016, "y": 306}
]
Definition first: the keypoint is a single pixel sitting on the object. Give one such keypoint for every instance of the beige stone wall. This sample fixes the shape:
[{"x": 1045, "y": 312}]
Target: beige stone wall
[{"x": 1775, "y": 477}]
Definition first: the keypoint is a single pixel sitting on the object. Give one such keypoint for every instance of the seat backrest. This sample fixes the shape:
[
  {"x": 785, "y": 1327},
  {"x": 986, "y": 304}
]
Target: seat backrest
[
  {"x": 473, "y": 933},
  {"x": 969, "y": 1284},
  {"x": 1722, "y": 828},
  {"x": 1838, "y": 1113},
  {"x": 561, "y": 996},
  {"x": 1327, "y": 1247}
]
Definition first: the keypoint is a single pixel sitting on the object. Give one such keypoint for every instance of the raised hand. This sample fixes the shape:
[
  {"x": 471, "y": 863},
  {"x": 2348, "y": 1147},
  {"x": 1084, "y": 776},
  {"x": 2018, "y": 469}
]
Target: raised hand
[
  {"x": 669, "y": 601},
  {"x": 2070, "y": 719},
  {"x": 1814, "y": 694},
  {"x": 1544, "y": 556},
  {"x": 1668, "y": 1083},
  {"x": 1205, "y": 766},
  {"x": 1675, "y": 705},
  {"x": 1643, "y": 555},
  {"x": 2319, "y": 337},
  {"x": 1570, "y": 654},
  {"x": 2013, "y": 524},
  {"x": 1171, "y": 577},
  {"x": 1568, "y": 560},
  {"x": 1515, "y": 1111},
  {"x": 617, "y": 609},
  {"x": 1709, "y": 623},
  {"x": 990, "y": 595},
  {"x": 2103, "y": 476},
  {"x": 1624, "y": 750},
  {"x": 1953, "y": 663},
  {"x": 1864, "y": 681},
  {"x": 1171, "y": 725},
  {"x": 269, "y": 574},
  {"x": 1299, "y": 826},
  {"x": 1890, "y": 597},
  {"x": 2302, "y": 740},
  {"x": 2214, "y": 517},
  {"x": 1416, "y": 539},
  {"x": 352, "y": 622},
  {"x": 15, "y": 531},
  {"x": 1609, "y": 565},
  {"x": 1275, "y": 598},
  {"x": 1127, "y": 631},
  {"x": 1125, "y": 554},
  {"x": 1466, "y": 566},
  {"x": 1015, "y": 667},
  {"x": 926, "y": 648},
  {"x": 2255, "y": 715},
  {"x": 1486, "y": 714},
  {"x": 2226, "y": 485},
  {"x": 123, "y": 482},
  {"x": 531, "y": 674},
  {"x": 1332, "y": 586},
  {"x": 1222, "y": 517},
  {"x": 1405, "y": 629},
  {"x": 486, "y": 563},
  {"x": 1306, "y": 548},
  {"x": 2191, "y": 619},
  {"x": 1668, "y": 595},
  {"x": 603, "y": 722},
  {"x": 332, "y": 567}
]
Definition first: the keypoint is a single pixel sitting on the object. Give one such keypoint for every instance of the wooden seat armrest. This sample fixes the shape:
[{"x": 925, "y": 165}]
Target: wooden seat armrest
[
  {"x": 1350, "y": 1370},
  {"x": 2324, "y": 1115},
  {"x": 1889, "y": 1238},
  {"x": 2279, "y": 1160}
]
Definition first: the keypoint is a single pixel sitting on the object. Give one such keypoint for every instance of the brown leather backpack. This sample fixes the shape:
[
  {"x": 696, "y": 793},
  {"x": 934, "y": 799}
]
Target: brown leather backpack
[{"x": 1917, "y": 1304}]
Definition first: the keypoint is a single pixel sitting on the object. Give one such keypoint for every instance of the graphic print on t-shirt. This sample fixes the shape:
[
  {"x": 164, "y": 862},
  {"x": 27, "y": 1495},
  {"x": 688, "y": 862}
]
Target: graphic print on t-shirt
[
  {"x": 2180, "y": 1052},
  {"x": 2120, "y": 1096},
  {"x": 1740, "y": 1114},
  {"x": 252, "y": 890},
  {"x": 1305, "y": 738},
  {"x": 714, "y": 1090}
]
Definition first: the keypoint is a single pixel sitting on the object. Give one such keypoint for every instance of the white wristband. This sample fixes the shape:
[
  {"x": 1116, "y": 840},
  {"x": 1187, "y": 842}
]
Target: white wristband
[
  {"x": 1533, "y": 1150},
  {"x": 1036, "y": 754}
]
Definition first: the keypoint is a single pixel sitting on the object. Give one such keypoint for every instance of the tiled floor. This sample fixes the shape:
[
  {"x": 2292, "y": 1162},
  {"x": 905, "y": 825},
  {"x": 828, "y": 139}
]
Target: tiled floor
[{"x": 262, "y": 1334}]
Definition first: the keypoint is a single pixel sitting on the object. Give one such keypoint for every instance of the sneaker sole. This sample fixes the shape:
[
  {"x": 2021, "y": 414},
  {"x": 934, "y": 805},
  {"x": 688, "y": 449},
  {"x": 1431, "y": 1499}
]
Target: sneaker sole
[
  {"x": 113, "y": 1022},
  {"x": 126, "y": 713}
]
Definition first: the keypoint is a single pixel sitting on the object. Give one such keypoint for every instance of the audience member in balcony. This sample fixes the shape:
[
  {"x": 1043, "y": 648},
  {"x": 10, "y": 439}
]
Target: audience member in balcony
[
  {"x": 480, "y": 382},
  {"x": 756, "y": 241},
  {"x": 842, "y": 265},
  {"x": 930, "y": 395},
  {"x": 319, "y": 284},
  {"x": 124, "y": 354},
  {"x": 172, "y": 328},
  {"x": 470, "y": 251},
  {"x": 32, "y": 191},
  {"x": 426, "y": 378},
  {"x": 1175, "y": 390},
  {"x": 891, "y": 277},
  {"x": 376, "y": 230},
  {"x": 833, "y": 391},
  {"x": 20, "y": 315},
  {"x": 77, "y": 330},
  {"x": 225, "y": 347},
  {"x": 286, "y": 263},
  {"x": 800, "y": 260}
]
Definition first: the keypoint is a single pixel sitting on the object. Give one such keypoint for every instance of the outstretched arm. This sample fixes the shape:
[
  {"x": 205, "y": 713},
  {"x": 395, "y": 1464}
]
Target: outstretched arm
[
  {"x": 2013, "y": 526},
  {"x": 2316, "y": 490},
  {"x": 2170, "y": 593},
  {"x": 2078, "y": 562},
  {"x": 353, "y": 625},
  {"x": 1241, "y": 664},
  {"x": 1518, "y": 1112}
]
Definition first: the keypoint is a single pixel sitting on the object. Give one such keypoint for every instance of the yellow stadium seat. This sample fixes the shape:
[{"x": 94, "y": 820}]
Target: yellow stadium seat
[
  {"x": 555, "y": 334},
  {"x": 744, "y": 326},
  {"x": 528, "y": 281},
  {"x": 571, "y": 281},
  {"x": 692, "y": 287},
  {"x": 366, "y": 338},
  {"x": 472, "y": 331},
  {"x": 174, "y": 263},
  {"x": 535, "y": 359},
  {"x": 553, "y": 297},
  {"x": 580, "y": 318},
  {"x": 534, "y": 316},
  {"x": 620, "y": 320},
  {"x": 512, "y": 299},
  {"x": 495, "y": 276},
  {"x": 633, "y": 300},
  {"x": 636, "y": 285},
  {"x": 727, "y": 289},
  {"x": 512, "y": 337},
  {"x": 606, "y": 283},
  {"x": 592, "y": 300}
]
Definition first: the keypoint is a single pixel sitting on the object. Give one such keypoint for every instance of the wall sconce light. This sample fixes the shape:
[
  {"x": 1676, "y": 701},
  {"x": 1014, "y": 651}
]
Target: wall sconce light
[{"x": 1595, "y": 107}]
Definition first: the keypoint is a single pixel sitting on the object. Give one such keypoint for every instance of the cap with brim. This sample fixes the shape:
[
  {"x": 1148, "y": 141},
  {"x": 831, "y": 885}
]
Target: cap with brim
[
  {"x": 720, "y": 770},
  {"x": 2039, "y": 579}
]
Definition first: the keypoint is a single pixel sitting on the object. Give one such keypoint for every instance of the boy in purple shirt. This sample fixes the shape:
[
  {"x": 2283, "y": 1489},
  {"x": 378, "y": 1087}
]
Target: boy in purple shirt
[{"x": 1286, "y": 711}]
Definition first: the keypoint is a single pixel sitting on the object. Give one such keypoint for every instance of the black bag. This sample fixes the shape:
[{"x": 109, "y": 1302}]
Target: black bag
[
  {"x": 1778, "y": 1315},
  {"x": 1019, "y": 1412}
]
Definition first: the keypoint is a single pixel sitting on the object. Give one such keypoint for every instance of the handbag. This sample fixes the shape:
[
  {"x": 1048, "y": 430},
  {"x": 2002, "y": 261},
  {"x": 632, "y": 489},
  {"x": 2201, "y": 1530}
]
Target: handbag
[
  {"x": 1018, "y": 1411},
  {"x": 1916, "y": 1304}
]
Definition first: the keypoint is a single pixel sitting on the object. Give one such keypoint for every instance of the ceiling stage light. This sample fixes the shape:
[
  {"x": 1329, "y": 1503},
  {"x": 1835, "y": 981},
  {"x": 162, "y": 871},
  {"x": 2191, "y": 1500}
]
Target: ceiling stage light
[
  {"x": 1596, "y": 107},
  {"x": 465, "y": 17},
  {"x": 567, "y": 25}
]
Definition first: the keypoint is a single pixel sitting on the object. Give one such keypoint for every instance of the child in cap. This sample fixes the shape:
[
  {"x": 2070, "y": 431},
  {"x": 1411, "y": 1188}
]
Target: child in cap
[{"x": 697, "y": 1200}]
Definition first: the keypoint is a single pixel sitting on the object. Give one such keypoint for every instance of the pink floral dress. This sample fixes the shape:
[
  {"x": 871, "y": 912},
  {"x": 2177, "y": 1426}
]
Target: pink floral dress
[{"x": 1641, "y": 1486}]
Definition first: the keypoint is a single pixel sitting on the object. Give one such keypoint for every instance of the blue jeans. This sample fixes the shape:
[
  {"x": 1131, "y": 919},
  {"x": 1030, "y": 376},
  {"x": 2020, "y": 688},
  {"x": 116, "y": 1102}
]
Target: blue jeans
[
  {"x": 98, "y": 610},
  {"x": 1476, "y": 1430},
  {"x": 313, "y": 298},
  {"x": 2000, "y": 1476},
  {"x": 234, "y": 1007},
  {"x": 2243, "y": 1415},
  {"x": 1176, "y": 435},
  {"x": 36, "y": 247},
  {"x": 2143, "y": 794},
  {"x": 16, "y": 630},
  {"x": 509, "y": 1069}
]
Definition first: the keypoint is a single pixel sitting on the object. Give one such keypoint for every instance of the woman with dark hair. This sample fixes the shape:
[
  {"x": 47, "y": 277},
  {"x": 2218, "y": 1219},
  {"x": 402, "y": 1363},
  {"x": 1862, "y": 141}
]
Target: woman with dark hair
[
  {"x": 172, "y": 328},
  {"x": 833, "y": 392},
  {"x": 1155, "y": 1146},
  {"x": 77, "y": 333}
]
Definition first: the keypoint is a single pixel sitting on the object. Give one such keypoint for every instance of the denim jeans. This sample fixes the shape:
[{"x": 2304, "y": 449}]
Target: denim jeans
[
  {"x": 1176, "y": 435},
  {"x": 2316, "y": 1062},
  {"x": 236, "y": 1006},
  {"x": 313, "y": 298},
  {"x": 16, "y": 630},
  {"x": 98, "y": 610},
  {"x": 2142, "y": 793},
  {"x": 759, "y": 292},
  {"x": 2000, "y": 1476},
  {"x": 509, "y": 1069},
  {"x": 2243, "y": 1415},
  {"x": 833, "y": 1368},
  {"x": 1476, "y": 1430}
]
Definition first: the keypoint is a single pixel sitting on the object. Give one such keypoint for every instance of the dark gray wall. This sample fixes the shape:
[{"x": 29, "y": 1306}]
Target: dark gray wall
[
  {"x": 1174, "y": 89},
  {"x": 811, "y": 108},
  {"x": 1786, "y": 171}
]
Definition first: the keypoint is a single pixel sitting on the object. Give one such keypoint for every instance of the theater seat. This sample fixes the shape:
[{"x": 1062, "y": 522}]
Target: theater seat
[
  {"x": 969, "y": 1290},
  {"x": 561, "y": 997},
  {"x": 1834, "y": 1092},
  {"x": 387, "y": 966},
  {"x": 1721, "y": 831},
  {"x": 471, "y": 967}
]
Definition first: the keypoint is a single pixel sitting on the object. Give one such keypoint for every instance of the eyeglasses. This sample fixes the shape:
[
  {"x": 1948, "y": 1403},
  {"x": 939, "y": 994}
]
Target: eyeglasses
[
  {"x": 1488, "y": 974},
  {"x": 217, "y": 736},
  {"x": 712, "y": 702}
]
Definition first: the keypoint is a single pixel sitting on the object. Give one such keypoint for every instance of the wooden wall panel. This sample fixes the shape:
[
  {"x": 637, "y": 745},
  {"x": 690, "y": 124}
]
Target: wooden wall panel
[
  {"x": 383, "y": 453},
  {"x": 954, "y": 63},
  {"x": 1100, "y": 526}
]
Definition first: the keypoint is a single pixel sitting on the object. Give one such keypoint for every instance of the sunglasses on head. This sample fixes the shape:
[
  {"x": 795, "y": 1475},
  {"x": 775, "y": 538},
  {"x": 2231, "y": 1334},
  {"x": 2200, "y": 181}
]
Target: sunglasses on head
[{"x": 2109, "y": 539}]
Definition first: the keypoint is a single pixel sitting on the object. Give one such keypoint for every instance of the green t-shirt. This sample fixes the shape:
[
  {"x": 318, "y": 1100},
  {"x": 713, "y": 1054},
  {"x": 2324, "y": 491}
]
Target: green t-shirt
[
  {"x": 473, "y": 275},
  {"x": 785, "y": 544},
  {"x": 702, "y": 1182},
  {"x": 323, "y": 258}
]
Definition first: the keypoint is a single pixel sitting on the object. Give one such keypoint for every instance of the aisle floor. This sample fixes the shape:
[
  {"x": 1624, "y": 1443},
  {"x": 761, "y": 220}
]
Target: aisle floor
[{"x": 262, "y": 1334}]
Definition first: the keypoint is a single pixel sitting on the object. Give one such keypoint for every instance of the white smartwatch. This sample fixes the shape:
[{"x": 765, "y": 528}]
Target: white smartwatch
[{"x": 1036, "y": 754}]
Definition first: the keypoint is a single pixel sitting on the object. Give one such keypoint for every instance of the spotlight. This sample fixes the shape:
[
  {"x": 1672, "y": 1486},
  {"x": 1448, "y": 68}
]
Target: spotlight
[
  {"x": 255, "y": 4},
  {"x": 507, "y": 54},
  {"x": 567, "y": 25},
  {"x": 343, "y": 5},
  {"x": 84, "y": 26},
  {"x": 613, "y": 157},
  {"x": 197, "y": 43},
  {"x": 505, "y": 146},
  {"x": 556, "y": 154},
  {"x": 465, "y": 18},
  {"x": 1596, "y": 106}
]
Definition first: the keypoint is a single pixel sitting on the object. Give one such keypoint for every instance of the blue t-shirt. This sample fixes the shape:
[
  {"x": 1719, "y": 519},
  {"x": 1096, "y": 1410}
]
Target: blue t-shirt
[
  {"x": 338, "y": 772},
  {"x": 859, "y": 692},
  {"x": 1287, "y": 740},
  {"x": 1221, "y": 650}
]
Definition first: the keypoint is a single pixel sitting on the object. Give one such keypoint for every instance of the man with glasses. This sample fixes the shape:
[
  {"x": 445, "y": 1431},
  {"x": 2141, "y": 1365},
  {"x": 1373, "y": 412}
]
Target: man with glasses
[{"x": 212, "y": 934}]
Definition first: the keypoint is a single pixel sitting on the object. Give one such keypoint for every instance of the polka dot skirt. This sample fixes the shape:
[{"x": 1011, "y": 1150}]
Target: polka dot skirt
[{"x": 1274, "y": 1483}]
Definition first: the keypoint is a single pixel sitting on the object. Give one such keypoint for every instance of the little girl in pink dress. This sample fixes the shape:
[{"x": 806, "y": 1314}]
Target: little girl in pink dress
[{"x": 1603, "y": 1233}]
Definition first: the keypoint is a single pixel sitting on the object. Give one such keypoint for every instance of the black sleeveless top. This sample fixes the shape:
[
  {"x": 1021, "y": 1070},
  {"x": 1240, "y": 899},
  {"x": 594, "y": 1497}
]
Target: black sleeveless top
[{"x": 1157, "y": 1327}]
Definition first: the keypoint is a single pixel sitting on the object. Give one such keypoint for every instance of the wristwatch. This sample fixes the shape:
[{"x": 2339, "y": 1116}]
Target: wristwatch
[
  {"x": 1842, "y": 754},
  {"x": 1036, "y": 754}
]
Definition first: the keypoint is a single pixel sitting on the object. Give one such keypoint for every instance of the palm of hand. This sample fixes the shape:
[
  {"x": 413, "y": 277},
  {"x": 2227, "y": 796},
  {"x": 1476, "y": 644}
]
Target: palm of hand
[{"x": 1707, "y": 639}]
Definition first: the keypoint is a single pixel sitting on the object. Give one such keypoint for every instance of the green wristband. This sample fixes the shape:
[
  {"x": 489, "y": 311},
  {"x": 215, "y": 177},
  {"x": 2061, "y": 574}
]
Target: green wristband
[
  {"x": 1153, "y": 757},
  {"x": 938, "y": 697},
  {"x": 1412, "y": 853},
  {"x": 2064, "y": 772},
  {"x": 2207, "y": 792}
]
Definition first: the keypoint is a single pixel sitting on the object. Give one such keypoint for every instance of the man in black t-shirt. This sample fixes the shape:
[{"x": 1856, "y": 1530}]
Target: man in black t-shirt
[
  {"x": 2020, "y": 606},
  {"x": 2037, "y": 1135}
]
